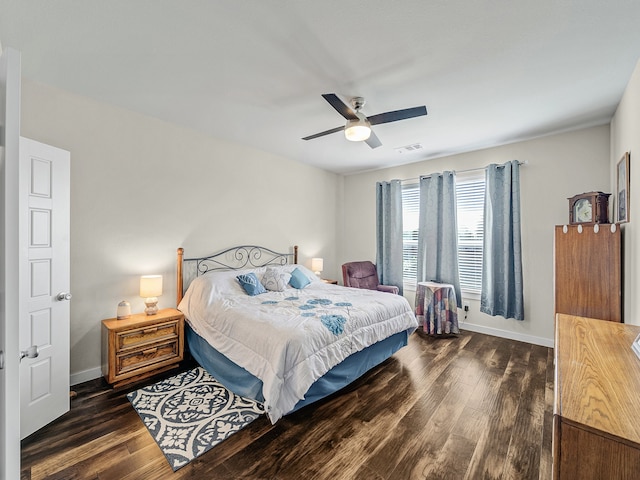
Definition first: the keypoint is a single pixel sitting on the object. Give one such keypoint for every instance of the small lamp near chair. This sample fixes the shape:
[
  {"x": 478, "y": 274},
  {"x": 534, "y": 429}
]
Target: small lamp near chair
[
  {"x": 317, "y": 265},
  {"x": 150, "y": 289}
]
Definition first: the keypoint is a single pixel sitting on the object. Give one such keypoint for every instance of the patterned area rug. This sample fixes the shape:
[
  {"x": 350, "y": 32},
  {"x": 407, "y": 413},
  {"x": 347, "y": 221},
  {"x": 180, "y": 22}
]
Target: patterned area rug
[{"x": 190, "y": 413}]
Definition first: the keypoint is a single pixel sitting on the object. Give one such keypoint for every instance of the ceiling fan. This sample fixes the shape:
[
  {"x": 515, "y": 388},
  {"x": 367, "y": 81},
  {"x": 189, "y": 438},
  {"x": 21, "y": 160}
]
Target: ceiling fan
[{"x": 358, "y": 127}]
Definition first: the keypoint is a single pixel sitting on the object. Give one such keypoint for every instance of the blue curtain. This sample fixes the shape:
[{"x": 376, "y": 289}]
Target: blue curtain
[
  {"x": 502, "y": 255},
  {"x": 438, "y": 232},
  {"x": 389, "y": 232}
]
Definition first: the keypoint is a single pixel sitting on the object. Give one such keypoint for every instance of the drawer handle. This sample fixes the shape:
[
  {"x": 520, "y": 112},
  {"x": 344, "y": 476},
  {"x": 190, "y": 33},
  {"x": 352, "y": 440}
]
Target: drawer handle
[
  {"x": 151, "y": 351},
  {"x": 150, "y": 330}
]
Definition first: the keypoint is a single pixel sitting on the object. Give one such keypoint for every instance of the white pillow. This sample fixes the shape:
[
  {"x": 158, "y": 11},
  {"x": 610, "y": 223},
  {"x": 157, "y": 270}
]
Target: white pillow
[{"x": 275, "y": 279}]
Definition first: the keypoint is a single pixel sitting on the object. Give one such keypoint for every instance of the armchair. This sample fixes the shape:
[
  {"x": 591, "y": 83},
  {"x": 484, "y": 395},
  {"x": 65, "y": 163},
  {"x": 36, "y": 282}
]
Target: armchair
[{"x": 364, "y": 275}]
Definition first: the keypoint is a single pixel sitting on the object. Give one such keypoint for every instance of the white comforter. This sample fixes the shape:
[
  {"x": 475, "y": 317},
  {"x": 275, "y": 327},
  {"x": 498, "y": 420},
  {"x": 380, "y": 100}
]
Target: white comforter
[{"x": 290, "y": 339}]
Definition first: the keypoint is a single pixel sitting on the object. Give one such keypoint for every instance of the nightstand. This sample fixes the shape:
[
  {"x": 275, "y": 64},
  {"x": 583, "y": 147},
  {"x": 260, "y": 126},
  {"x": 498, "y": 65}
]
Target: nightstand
[
  {"x": 141, "y": 346},
  {"x": 329, "y": 281}
]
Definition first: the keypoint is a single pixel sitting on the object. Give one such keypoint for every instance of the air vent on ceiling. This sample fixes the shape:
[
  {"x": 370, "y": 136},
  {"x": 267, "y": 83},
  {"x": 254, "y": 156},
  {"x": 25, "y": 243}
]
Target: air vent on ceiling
[{"x": 413, "y": 148}]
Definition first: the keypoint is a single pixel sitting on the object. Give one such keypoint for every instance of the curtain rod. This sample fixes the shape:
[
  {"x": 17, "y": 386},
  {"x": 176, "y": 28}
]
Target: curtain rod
[{"x": 520, "y": 162}]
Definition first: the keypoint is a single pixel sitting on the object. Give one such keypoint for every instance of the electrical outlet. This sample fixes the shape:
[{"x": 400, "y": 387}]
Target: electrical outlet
[{"x": 466, "y": 306}]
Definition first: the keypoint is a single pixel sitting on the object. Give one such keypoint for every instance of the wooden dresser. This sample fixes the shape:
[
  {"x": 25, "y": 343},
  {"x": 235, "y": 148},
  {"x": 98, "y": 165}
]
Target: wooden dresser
[
  {"x": 141, "y": 346},
  {"x": 597, "y": 400}
]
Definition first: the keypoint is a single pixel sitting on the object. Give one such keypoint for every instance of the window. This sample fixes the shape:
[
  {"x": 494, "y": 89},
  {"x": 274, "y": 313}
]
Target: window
[
  {"x": 470, "y": 215},
  {"x": 410, "y": 219}
]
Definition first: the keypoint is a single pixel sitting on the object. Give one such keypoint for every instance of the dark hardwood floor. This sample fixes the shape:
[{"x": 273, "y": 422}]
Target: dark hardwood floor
[{"x": 471, "y": 407}]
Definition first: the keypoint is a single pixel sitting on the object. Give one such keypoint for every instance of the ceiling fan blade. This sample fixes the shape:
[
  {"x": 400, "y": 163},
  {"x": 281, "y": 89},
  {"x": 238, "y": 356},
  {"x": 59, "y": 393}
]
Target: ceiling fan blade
[
  {"x": 396, "y": 115},
  {"x": 373, "y": 141},
  {"x": 340, "y": 106},
  {"x": 322, "y": 134}
]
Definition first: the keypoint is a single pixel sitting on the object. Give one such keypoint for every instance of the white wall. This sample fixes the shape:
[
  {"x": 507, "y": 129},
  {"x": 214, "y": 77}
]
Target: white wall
[
  {"x": 559, "y": 167},
  {"x": 625, "y": 137},
  {"x": 141, "y": 187}
]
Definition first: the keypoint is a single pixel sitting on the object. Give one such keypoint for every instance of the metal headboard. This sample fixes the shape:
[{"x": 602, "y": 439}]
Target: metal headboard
[{"x": 234, "y": 258}]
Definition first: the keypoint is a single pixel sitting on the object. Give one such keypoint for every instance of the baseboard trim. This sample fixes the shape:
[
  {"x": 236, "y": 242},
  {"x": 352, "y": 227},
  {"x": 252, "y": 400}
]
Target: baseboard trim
[
  {"x": 85, "y": 376},
  {"x": 496, "y": 332}
]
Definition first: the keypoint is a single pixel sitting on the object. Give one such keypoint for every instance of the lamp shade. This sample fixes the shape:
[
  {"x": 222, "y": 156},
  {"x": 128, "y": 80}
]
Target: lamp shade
[
  {"x": 150, "y": 286},
  {"x": 317, "y": 264}
]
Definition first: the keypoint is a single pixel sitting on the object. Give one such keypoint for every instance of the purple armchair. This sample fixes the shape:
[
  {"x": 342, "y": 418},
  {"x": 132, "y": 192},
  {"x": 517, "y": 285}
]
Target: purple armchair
[{"x": 364, "y": 275}]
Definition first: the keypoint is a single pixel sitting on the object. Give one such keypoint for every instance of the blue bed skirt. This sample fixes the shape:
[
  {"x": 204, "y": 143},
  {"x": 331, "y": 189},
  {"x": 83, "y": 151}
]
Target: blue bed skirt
[{"x": 243, "y": 383}]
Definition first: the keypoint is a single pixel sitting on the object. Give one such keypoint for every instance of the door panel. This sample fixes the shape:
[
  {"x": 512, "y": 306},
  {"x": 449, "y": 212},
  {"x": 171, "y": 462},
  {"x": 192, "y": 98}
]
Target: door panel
[
  {"x": 40, "y": 277},
  {"x": 40, "y": 326},
  {"x": 40, "y": 228},
  {"x": 40, "y": 178},
  {"x": 44, "y": 380}
]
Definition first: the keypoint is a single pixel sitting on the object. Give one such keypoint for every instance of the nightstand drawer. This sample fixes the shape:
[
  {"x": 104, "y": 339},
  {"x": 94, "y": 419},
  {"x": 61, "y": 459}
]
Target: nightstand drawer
[
  {"x": 137, "y": 359},
  {"x": 141, "y": 336}
]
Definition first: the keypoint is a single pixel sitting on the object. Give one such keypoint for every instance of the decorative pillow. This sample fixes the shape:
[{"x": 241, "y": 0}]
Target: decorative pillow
[
  {"x": 299, "y": 279},
  {"x": 275, "y": 279},
  {"x": 251, "y": 284}
]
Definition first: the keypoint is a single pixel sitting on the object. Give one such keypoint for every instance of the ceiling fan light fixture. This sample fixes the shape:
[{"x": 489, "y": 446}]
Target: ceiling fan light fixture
[
  {"x": 357, "y": 130},
  {"x": 358, "y": 127}
]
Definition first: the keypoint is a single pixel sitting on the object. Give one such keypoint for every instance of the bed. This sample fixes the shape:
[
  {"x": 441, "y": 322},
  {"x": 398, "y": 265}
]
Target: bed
[{"x": 269, "y": 329}]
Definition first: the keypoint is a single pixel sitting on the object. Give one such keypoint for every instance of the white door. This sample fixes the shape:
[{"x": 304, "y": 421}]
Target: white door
[
  {"x": 9, "y": 306},
  {"x": 44, "y": 284}
]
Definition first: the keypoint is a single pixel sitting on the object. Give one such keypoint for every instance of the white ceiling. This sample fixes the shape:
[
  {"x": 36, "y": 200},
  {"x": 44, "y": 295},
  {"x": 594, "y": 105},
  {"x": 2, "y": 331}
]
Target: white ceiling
[{"x": 252, "y": 71}]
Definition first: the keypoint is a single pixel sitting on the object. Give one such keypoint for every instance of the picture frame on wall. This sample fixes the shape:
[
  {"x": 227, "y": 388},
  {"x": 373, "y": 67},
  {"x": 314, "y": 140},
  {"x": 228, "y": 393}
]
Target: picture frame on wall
[{"x": 622, "y": 189}]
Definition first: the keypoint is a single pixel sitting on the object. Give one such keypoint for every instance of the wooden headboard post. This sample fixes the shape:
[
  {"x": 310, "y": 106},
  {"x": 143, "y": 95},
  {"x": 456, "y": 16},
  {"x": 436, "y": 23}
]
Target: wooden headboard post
[
  {"x": 180, "y": 264},
  {"x": 179, "y": 273}
]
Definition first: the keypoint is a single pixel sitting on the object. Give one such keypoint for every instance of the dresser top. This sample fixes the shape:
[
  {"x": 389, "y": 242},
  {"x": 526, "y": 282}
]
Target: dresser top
[
  {"x": 597, "y": 375},
  {"x": 141, "y": 319}
]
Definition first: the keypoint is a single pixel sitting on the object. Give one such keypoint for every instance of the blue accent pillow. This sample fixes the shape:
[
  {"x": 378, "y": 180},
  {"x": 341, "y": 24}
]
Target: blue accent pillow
[
  {"x": 251, "y": 284},
  {"x": 299, "y": 279}
]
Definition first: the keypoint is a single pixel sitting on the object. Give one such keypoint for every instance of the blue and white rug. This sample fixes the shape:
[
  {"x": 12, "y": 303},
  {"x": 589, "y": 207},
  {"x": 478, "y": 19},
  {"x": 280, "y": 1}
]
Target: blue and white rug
[{"x": 190, "y": 413}]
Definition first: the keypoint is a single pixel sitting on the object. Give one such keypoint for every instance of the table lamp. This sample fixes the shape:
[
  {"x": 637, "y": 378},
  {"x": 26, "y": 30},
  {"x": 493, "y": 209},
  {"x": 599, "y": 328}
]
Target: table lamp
[
  {"x": 150, "y": 289},
  {"x": 317, "y": 264}
]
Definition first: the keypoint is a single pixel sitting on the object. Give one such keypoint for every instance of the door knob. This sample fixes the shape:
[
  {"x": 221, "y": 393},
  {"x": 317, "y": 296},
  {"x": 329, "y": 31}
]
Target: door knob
[
  {"x": 64, "y": 296},
  {"x": 31, "y": 352}
]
